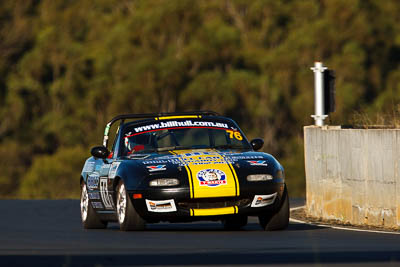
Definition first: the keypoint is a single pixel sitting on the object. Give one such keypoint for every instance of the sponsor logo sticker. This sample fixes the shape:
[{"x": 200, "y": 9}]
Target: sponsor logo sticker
[
  {"x": 160, "y": 205},
  {"x": 257, "y": 162},
  {"x": 93, "y": 180},
  {"x": 97, "y": 205},
  {"x": 105, "y": 168},
  {"x": 202, "y": 158},
  {"x": 154, "y": 168},
  {"x": 113, "y": 169},
  {"x": 211, "y": 177},
  {"x": 177, "y": 124},
  {"x": 94, "y": 195},
  {"x": 105, "y": 195}
]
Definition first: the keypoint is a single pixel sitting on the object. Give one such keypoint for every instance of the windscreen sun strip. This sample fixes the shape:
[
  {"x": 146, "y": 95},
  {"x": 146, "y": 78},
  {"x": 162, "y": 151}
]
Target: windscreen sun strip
[{"x": 198, "y": 127}]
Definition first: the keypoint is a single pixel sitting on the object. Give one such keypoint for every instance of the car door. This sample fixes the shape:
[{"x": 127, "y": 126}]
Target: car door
[{"x": 107, "y": 174}]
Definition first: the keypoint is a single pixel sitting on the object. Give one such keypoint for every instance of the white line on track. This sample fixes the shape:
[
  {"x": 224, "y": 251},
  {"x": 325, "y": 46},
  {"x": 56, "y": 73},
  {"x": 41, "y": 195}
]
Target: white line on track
[{"x": 339, "y": 227}]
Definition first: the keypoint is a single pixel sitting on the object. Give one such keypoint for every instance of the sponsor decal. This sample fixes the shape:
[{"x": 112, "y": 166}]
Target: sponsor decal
[
  {"x": 173, "y": 161},
  {"x": 200, "y": 158},
  {"x": 204, "y": 178},
  {"x": 234, "y": 134},
  {"x": 161, "y": 205},
  {"x": 211, "y": 177},
  {"x": 93, "y": 180},
  {"x": 263, "y": 200},
  {"x": 89, "y": 167},
  {"x": 97, "y": 205},
  {"x": 105, "y": 169},
  {"x": 236, "y": 158},
  {"x": 257, "y": 162},
  {"x": 94, "y": 195},
  {"x": 177, "y": 124},
  {"x": 113, "y": 169},
  {"x": 105, "y": 195},
  {"x": 154, "y": 168}
]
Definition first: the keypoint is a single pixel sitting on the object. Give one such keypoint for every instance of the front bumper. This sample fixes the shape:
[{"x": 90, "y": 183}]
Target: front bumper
[{"x": 175, "y": 204}]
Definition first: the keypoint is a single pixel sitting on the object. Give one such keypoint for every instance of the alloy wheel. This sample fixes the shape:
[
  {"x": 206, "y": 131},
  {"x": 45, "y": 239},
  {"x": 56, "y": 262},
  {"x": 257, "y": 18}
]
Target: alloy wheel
[
  {"x": 84, "y": 203},
  {"x": 121, "y": 203}
]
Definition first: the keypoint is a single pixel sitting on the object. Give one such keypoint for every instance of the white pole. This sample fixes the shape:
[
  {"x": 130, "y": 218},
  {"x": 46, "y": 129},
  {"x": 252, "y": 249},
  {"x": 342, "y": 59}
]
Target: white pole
[{"x": 319, "y": 104}]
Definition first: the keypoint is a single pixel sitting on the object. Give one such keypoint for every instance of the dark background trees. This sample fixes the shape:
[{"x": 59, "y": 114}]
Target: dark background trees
[{"x": 68, "y": 66}]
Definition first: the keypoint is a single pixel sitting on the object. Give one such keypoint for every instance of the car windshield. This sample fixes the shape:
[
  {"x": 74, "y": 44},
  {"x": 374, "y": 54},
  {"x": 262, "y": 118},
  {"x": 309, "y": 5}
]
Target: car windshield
[{"x": 175, "y": 135}]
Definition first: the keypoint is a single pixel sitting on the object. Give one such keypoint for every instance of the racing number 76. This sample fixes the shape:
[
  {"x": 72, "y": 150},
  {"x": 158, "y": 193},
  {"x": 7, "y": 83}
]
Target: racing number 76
[{"x": 235, "y": 134}]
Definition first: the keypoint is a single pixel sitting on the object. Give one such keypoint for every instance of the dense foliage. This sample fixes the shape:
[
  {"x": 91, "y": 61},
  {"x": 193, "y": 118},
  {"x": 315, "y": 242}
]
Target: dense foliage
[{"x": 68, "y": 66}]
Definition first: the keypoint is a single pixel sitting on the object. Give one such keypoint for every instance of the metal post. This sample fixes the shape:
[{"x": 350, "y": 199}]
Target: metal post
[{"x": 319, "y": 103}]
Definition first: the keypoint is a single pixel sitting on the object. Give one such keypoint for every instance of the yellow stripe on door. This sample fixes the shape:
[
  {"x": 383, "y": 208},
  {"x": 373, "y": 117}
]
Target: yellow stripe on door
[{"x": 200, "y": 166}]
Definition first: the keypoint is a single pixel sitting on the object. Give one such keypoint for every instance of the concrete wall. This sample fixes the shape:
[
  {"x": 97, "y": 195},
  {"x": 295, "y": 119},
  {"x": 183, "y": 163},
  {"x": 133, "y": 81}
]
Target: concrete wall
[{"x": 353, "y": 175}]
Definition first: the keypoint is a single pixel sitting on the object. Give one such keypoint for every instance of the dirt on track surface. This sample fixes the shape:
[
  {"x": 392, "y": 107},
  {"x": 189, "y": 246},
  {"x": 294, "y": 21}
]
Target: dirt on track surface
[{"x": 301, "y": 214}]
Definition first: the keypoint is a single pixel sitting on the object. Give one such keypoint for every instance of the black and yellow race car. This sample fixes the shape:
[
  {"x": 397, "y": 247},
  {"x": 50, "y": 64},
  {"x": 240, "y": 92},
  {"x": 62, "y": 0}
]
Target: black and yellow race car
[{"x": 181, "y": 167}]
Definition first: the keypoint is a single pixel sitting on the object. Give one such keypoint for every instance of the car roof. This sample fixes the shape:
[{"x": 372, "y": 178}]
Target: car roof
[{"x": 161, "y": 115}]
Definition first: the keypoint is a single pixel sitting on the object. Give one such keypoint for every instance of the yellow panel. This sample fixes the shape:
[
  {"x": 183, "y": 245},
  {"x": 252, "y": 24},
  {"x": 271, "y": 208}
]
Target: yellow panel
[
  {"x": 211, "y": 212},
  {"x": 179, "y": 117},
  {"x": 196, "y": 162}
]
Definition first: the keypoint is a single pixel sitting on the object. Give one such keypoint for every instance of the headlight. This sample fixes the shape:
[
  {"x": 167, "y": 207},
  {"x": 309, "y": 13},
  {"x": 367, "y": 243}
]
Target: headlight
[
  {"x": 164, "y": 182},
  {"x": 259, "y": 177}
]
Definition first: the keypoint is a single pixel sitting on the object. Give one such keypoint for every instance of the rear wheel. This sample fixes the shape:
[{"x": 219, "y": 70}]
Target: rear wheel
[
  {"x": 128, "y": 218},
  {"x": 90, "y": 220},
  {"x": 234, "y": 222},
  {"x": 279, "y": 220}
]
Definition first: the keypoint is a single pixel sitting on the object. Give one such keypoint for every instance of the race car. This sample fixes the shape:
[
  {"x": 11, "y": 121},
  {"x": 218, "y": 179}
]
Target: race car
[{"x": 181, "y": 167}]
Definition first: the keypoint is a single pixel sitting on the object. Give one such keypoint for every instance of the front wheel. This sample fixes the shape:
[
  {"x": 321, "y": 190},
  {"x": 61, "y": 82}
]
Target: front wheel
[
  {"x": 279, "y": 220},
  {"x": 90, "y": 220},
  {"x": 128, "y": 218}
]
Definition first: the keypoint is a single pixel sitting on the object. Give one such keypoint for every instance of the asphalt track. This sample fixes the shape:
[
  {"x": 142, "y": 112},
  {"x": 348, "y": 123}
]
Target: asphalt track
[{"x": 49, "y": 233}]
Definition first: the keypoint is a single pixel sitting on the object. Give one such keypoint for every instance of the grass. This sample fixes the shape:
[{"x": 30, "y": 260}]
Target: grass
[{"x": 381, "y": 120}]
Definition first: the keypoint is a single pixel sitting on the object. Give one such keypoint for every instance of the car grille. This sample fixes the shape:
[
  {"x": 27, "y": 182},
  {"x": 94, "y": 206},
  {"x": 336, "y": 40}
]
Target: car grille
[{"x": 212, "y": 203}]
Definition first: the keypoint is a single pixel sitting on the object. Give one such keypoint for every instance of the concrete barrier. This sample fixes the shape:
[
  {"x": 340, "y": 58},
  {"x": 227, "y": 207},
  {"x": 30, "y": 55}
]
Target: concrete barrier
[{"x": 353, "y": 175}]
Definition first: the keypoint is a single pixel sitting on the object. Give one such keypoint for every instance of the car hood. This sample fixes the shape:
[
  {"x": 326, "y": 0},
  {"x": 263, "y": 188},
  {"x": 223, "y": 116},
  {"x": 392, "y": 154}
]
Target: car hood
[
  {"x": 205, "y": 158},
  {"x": 210, "y": 172}
]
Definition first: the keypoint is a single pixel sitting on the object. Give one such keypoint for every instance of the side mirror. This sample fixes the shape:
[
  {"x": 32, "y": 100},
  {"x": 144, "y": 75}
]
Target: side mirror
[
  {"x": 100, "y": 152},
  {"x": 257, "y": 143}
]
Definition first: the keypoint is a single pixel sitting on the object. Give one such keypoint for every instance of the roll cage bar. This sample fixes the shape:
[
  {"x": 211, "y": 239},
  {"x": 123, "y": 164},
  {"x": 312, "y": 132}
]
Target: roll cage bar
[{"x": 124, "y": 117}]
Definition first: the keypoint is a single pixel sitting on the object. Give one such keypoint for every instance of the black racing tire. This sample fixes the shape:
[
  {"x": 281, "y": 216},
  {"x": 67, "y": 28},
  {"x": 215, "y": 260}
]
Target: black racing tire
[
  {"x": 234, "y": 222},
  {"x": 279, "y": 220},
  {"x": 128, "y": 218},
  {"x": 90, "y": 220}
]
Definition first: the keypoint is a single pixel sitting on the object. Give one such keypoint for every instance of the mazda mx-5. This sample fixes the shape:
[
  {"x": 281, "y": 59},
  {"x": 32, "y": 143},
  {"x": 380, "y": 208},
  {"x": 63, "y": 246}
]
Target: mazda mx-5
[{"x": 181, "y": 167}]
